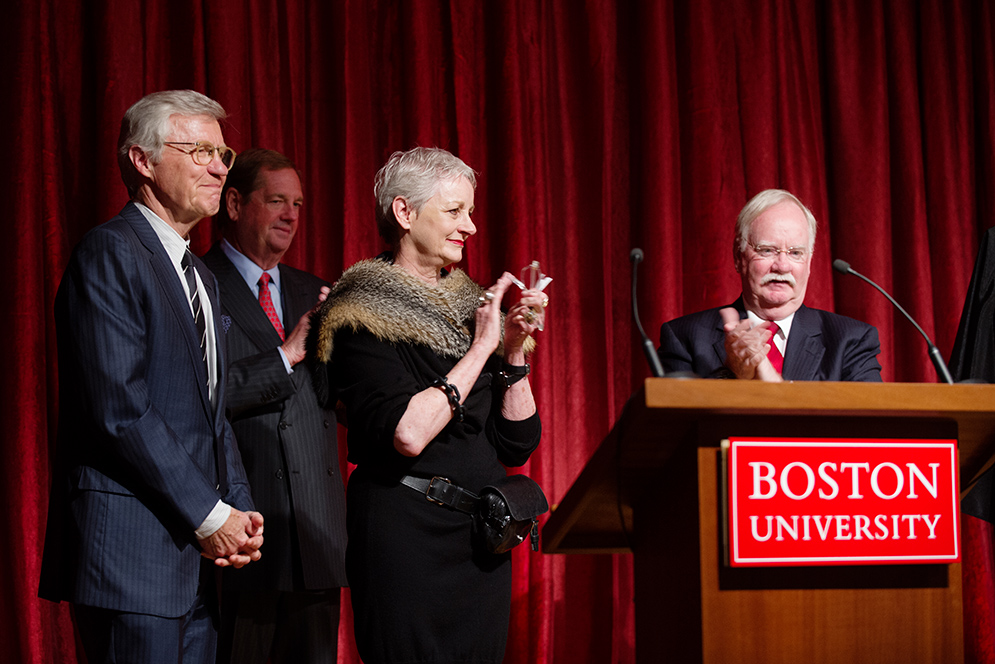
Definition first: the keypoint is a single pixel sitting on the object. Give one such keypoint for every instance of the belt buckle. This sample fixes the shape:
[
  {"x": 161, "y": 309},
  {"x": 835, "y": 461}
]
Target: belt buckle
[{"x": 431, "y": 483}]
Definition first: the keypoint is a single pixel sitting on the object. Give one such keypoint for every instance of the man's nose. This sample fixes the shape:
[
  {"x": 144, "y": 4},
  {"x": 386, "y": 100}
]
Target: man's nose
[{"x": 781, "y": 262}]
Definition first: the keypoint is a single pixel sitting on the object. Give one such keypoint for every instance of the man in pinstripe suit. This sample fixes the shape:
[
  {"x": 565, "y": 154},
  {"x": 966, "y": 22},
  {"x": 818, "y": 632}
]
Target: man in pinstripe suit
[
  {"x": 286, "y": 607},
  {"x": 768, "y": 334},
  {"x": 149, "y": 496}
]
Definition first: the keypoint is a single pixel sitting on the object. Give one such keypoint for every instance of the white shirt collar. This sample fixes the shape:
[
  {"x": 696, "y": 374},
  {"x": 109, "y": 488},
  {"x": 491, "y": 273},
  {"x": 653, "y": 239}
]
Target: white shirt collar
[
  {"x": 173, "y": 243},
  {"x": 784, "y": 325}
]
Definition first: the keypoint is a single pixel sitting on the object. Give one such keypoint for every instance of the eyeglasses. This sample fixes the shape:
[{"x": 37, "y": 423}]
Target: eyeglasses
[
  {"x": 203, "y": 152},
  {"x": 767, "y": 252}
]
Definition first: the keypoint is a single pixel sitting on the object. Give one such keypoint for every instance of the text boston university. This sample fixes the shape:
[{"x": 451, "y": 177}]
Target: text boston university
[{"x": 840, "y": 502}]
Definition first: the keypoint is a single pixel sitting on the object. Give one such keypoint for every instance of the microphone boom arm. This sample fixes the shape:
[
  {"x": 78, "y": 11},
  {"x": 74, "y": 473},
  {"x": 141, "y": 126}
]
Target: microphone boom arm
[
  {"x": 934, "y": 353},
  {"x": 636, "y": 256}
]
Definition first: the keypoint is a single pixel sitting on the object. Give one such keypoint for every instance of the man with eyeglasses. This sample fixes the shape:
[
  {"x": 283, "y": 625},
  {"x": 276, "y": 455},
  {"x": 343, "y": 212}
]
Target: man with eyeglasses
[
  {"x": 768, "y": 333},
  {"x": 286, "y": 607},
  {"x": 149, "y": 496}
]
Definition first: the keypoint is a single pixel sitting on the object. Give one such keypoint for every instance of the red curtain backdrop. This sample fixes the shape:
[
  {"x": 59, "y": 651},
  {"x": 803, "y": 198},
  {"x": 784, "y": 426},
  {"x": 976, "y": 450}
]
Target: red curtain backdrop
[{"x": 596, "y": 125}]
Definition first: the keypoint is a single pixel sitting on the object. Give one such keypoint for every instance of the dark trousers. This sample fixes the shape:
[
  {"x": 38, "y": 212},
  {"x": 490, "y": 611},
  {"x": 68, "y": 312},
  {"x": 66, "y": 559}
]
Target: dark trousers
[
  {"x": 298, "y": 627},
  {"x": 116, "y": 637}
]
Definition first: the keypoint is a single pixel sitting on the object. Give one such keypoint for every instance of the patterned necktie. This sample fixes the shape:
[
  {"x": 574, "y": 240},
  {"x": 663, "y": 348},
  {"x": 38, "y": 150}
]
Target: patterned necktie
[
  {"x": 266, "y": 302},
  {"x": 774, "y": 355},
  {"x": 198, "y": 312}
]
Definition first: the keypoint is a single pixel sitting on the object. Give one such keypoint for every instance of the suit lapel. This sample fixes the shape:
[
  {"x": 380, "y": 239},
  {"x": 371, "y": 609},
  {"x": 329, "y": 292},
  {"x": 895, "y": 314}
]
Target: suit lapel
[
  {"x": 297, "y": 300},
  {"x": 165, "y": 272},
  {"x": 719, "y": 343},
  {"x": 240, "y": 303},
  {"x": 805, "y": 347}
]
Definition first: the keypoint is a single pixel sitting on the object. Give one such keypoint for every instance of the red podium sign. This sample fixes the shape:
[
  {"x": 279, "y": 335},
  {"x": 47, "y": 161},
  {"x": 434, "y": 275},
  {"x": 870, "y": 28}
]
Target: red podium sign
[{"x": 817, "y": 501}]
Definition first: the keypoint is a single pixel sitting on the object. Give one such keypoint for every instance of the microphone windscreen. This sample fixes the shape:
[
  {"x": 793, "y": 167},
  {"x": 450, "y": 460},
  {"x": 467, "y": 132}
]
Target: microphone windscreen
[{"x": 841, "y": 266}]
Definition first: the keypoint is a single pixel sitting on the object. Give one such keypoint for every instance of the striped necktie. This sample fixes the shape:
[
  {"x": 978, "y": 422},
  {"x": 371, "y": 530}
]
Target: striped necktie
[{"x": 198, "y": 311}]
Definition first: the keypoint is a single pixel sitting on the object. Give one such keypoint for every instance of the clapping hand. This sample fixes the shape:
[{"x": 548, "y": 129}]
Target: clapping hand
[{"x": 746, "y": 347}]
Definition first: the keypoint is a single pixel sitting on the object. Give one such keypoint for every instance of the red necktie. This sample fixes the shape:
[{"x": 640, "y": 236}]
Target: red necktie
[
  {"x": 774, "y": 355},
  {"x": 266, "y": 302}
]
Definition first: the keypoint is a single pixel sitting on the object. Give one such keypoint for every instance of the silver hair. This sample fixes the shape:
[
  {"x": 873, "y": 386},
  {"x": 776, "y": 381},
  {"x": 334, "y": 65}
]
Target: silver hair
[
  {"x": 415, "y": 176},
  {"x": 146, "y": 125},
  {"x": 759, "y": 204}
]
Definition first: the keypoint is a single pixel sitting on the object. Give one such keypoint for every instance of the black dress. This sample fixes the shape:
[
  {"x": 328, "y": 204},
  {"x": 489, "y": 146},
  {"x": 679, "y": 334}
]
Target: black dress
[{"x": 420, "y": 591}]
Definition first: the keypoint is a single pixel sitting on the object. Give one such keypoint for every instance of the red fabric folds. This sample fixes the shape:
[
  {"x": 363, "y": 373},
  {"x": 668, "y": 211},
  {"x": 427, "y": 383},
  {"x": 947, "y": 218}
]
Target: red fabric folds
[{"x": 596, "y": 126}]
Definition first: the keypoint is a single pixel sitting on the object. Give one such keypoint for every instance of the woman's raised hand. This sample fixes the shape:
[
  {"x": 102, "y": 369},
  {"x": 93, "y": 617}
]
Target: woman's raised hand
[
  {"x": 488, "y": 316},
  {"x": 523, "y": 319}
]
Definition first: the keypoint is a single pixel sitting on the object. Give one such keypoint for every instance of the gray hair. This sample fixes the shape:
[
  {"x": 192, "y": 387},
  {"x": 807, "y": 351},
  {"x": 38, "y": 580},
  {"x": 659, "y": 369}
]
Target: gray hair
[
  {"x": 415, "y": 176},
  {"x": 759, "y": 204},
  {"x": 146, "y": 125}
]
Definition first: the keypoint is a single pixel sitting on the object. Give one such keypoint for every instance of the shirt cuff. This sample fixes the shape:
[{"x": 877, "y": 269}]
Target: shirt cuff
[
  {"x": 214, "y": 521},
  {"x": 286, "y": 362}
]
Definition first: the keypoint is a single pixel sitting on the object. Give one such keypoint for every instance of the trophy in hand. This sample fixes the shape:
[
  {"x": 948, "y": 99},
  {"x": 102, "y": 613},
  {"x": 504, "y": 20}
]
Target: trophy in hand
[{"x": 536, "y": 280}]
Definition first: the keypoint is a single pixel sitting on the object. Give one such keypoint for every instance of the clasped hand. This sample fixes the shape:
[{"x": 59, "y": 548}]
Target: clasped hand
[{"x": 237, "y": 542}]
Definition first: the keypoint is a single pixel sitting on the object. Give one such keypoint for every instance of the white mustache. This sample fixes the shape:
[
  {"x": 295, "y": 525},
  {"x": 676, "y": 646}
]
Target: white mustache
[{"x": 787, "y": 278}]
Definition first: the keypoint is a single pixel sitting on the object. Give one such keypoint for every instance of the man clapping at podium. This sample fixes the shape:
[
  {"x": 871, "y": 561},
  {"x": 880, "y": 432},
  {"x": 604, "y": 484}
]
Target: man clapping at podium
[{"x": 768, "y": 333}]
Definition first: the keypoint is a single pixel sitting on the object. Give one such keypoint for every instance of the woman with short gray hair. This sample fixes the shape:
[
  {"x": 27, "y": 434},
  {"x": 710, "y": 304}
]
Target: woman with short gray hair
[{"x": 433, "y": 377}]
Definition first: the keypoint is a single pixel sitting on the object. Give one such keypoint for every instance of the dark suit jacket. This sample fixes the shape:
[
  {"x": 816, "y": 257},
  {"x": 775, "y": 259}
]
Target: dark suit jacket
[
  {"x": 822, "y": 346},
  {"x": 973, "y": 358},
  {"x": 287, "y": 441},
  {"x": 135, "y": 471}
]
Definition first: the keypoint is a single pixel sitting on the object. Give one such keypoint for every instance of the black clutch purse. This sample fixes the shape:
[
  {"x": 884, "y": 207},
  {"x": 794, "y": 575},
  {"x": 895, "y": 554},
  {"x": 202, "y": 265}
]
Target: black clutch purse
[{"x": 507, "y": 513}]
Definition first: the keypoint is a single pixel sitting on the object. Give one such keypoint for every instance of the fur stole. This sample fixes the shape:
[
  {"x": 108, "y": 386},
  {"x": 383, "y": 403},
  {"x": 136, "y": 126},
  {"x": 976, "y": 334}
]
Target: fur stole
[{"x": 397, "y": 307}]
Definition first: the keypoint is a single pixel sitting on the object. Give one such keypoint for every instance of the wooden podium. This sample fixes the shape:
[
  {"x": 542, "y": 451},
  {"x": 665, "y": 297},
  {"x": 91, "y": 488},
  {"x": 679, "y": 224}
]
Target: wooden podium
[{"x": 652, "y": 488}]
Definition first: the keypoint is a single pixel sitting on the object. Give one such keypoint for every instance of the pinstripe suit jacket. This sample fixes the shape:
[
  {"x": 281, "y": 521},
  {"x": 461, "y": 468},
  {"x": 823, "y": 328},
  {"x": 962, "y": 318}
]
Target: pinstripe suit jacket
[
  {"x": 822, "y": 346},
  {"x": 287, "y": 440},
  {"x": 135, "y": 471}
]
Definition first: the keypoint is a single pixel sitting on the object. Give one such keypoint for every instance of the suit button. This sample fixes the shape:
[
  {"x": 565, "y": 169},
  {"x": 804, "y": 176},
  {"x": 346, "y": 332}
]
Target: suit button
[
  {"x": 330, "y": 472},
  {"x": 326, "y": 424},
  {"x": 279, "y": 474},
  {"x": 283, "y": 424}
]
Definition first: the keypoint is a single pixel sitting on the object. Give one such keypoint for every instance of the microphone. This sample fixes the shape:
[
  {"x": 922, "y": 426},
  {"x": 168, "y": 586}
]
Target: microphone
[
  {"x": 843, "y": 267},
  {"x": 636, "y": 257}
]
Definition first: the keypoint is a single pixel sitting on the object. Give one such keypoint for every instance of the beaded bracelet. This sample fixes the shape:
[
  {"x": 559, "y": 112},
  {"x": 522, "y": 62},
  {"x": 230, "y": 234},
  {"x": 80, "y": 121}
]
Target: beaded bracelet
[{"x": 452, "y": 394}]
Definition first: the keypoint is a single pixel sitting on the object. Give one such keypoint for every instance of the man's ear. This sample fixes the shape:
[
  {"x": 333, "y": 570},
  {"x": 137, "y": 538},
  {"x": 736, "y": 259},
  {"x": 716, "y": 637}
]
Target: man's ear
[
  {"x": 742, "y": 265},
  {"x": 738, "y": 257},
  {"x": 402, "y": 212},
  {"x": 232, "y": 203},
  {"x": 140, "y": 160}
]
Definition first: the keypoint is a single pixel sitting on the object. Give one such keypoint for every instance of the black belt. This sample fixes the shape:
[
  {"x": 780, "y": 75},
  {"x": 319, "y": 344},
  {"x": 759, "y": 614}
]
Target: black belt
[{"x": 441, "y": 491}]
